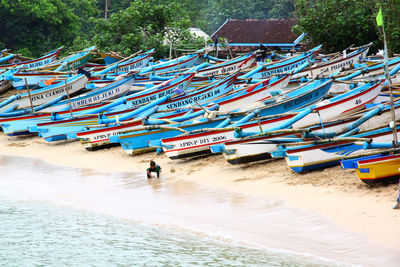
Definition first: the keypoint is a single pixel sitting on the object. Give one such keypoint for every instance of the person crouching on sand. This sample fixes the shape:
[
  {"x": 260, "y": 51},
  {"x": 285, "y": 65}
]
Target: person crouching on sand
[{"x": 153, "y": 168}]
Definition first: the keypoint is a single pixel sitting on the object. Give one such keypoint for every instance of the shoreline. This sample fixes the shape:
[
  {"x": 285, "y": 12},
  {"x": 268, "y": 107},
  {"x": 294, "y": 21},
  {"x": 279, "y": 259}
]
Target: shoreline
[{"x": 336, "y": 194}]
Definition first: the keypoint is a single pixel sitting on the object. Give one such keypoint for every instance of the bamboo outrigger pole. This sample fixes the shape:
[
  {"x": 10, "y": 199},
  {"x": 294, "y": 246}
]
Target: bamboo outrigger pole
[
  {"x": 69, "y": 99},
  {"x": 379, "y": 22},
  {"x": 29, "y": 94}
]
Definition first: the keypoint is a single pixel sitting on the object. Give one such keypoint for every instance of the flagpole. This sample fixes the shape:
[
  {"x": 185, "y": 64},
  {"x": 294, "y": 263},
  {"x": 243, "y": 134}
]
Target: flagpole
[{"x": 386, "y": 69}]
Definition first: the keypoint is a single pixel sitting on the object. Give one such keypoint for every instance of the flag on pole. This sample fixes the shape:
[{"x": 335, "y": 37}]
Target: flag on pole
[{"x": 379, "y": 18}]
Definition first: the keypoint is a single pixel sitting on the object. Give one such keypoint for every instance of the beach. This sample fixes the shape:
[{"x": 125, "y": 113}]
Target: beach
[{"x": 337, "y": 195}]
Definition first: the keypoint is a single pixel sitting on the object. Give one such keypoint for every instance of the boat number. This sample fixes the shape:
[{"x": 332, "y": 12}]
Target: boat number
[
  {"x": 218, "y": 138},
  {"x": 358, "y": 101}
]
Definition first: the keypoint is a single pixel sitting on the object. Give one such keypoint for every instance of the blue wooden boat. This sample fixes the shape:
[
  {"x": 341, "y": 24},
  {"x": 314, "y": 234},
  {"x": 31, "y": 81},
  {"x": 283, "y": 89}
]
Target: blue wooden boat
[
  {"x": 70, "y": 62},
  {"x": 302, "y": 96},
  {"x": 312, "y": 157},
  {"x": 19, "y": 126},
  {"x": 34, "y": 63},
  {"x": 111, "y": 91},
  {"x": 60, "y": 130},
  {"x": 8, "y": 69},
  {"x": 257, "y": 146},
  {"x": 21, "y": 104},
  {"x": 204, "y": 95},
  {"x": 283, "y": 66},
  {"x": 35, "y": 79},
  {"x": 347, "y": 164},
  {"x": 56, "y": 131}
]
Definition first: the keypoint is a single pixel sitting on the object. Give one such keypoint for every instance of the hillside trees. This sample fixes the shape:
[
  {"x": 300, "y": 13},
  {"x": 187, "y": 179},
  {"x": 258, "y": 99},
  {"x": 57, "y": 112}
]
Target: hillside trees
[
  {"x": 338, "y": 24},
  {"x": 33, "y": 27},
  {"x": 142, "y": 26}
]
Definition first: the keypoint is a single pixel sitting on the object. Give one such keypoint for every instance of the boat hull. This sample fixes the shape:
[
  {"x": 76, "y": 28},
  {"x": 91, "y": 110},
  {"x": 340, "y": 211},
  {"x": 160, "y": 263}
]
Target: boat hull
[{"x": 379, "y": 170}]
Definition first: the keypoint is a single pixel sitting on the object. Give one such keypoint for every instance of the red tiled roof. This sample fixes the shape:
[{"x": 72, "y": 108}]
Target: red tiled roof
[{"x": 257, "y": 30}]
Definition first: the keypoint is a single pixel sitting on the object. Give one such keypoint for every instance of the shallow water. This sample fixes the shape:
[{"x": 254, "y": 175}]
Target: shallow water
[{"x": 58, "y": 216}]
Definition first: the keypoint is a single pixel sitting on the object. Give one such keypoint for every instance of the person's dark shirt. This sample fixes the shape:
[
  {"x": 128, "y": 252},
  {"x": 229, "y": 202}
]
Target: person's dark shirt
[{"x": 156, "y": 169}]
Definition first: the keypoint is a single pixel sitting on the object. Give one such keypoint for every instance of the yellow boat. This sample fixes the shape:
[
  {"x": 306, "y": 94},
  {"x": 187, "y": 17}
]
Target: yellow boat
[{"x": 382, "y": 169}]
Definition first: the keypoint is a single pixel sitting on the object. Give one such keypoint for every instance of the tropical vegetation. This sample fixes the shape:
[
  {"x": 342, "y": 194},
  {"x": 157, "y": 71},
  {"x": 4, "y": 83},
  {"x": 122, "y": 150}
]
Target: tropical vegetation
[{"x": 32, "y": 27}]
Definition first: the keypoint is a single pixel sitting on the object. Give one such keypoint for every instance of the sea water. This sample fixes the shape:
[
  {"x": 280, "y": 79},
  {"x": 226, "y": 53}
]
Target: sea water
[{"x": 61, "y": 216}]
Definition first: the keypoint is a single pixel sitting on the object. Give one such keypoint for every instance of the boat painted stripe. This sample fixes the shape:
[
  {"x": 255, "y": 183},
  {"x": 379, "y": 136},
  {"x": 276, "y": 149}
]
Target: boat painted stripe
[
  {"x": 253, "y": 92},
  {"x": 161, "y": 89},
  {"x": 386, "y": 158},
  {"x": 226, "y": 65},
  {"x": 162, "y": 130},
  {"x": 122, "y": 126},
  {"x": 133, "y": 62},
  {"x": 234, "y": 142},
  {"x": 177, "y": 138},
  {"x": 54, "y": 54},
  {"x": 193, "y": 147},
  {"x": 333, "y": 144},
  {"x": 312, "y": 55},
  {"x": 361, "y": 105},
  {"x": 314, "y": 163},
  {"x": 176, "y": 64},
  {"x": 347, "y": 99}
]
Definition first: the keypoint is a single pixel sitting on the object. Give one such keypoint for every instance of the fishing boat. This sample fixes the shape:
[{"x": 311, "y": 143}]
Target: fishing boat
[
  {"x": 111, "y": 57},
  {"x": 20, "y": 125},
  {"x": 34, "y": 63},
  {"x": 228, "y": 104},
  {"x": 334, "y": 65},
  {"x": 312, "y": 157},
  {"x": 20, "y": 79},
  {"x": 71, "y": 62},
  {"x": 125, "y": 65},
  {"x": 8, "y": 69},
  {"x": 12, "y": 58},
  {"x": 284, "y": 66},
  {"x": 201, "y": 142},
  {"x": 301, "y": 97},
  {"x": 111, "y": 91},
  {"x": 177, "y": 64},
  {"x": 229, "y": 66},
  {"x": 378, "y": 168},
  {"x": 18, "y": 104},
  {"x": 259, "y": 147},
  {"x": 97, "y": 137},
  {"x": 4, "y": 84},
  {"x": 211, "y": 91},
  {"x": 60, "y": 130},
  {"x": 219, "y": 88}
]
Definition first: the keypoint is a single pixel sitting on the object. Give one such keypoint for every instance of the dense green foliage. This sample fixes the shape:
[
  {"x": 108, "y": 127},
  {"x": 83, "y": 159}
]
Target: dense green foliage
[
  {"x": 35, "y": 26},
  {"x": 338, "y": 24},
  {"x": 142, "y": 26}
]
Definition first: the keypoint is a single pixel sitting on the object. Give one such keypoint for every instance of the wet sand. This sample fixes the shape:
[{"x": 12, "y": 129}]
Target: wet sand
[{"x": 338, "y": 195}]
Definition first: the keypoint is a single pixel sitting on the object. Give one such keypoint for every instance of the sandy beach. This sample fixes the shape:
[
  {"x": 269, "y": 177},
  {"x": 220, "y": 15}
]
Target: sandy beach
[{"x": 338, "y": 195}]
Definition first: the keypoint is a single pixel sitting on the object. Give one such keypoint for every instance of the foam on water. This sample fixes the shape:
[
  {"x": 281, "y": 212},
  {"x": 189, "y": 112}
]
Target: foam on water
[{"x": 165, "y": 217}]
